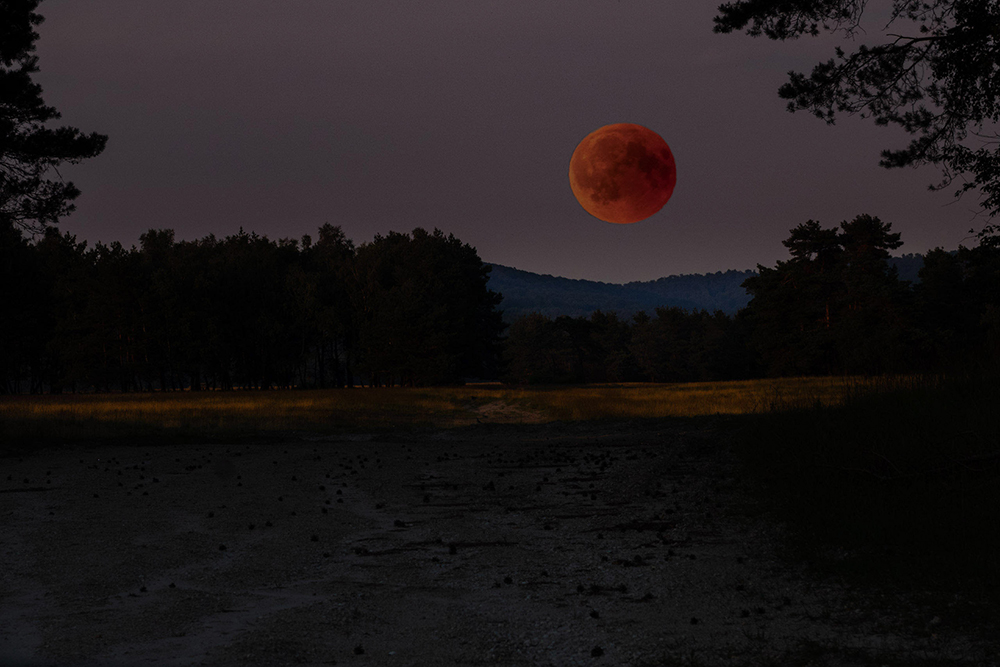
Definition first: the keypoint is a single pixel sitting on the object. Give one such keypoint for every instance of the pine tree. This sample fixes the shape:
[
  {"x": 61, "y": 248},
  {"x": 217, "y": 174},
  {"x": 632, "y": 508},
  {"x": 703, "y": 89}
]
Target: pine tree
[{"x": 31, "y": 152}]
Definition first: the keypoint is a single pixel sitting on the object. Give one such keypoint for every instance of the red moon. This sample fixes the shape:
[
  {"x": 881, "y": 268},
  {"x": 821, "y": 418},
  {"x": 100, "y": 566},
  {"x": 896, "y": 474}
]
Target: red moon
[{"x": 622, "y": 173}]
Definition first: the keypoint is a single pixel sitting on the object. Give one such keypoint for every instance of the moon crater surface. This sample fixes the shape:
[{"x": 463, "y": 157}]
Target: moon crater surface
[{"x": 622, "y": 173}]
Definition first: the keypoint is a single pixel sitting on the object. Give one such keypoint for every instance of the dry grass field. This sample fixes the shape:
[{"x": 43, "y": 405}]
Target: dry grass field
[{"x": 88, "y": 416}]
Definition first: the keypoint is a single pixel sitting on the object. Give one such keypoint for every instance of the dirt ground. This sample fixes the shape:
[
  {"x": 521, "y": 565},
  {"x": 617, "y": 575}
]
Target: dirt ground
[{"x": 545, "y": 544}]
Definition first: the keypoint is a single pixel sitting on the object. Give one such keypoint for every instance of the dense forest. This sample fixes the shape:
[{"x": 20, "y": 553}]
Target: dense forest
[
  {"x": 243, "y": 312},
  {"x": 417, "y": 309}
]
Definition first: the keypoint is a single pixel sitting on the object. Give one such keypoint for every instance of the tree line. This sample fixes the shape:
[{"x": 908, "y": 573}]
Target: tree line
[
  {"x": 836, "y": 306},
  {"x": 246, "y": 311}
]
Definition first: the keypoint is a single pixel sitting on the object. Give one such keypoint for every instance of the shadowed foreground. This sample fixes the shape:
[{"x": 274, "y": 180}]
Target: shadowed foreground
[{"x": 553, "y": 544}]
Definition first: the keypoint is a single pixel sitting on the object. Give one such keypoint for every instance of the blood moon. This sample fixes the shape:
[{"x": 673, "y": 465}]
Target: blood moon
[{"x": 622, "y": 173}]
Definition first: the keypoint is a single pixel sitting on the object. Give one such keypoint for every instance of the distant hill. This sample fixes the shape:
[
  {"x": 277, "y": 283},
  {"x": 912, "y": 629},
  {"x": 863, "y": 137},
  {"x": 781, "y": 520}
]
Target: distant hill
[
  {"x": 908, "y": 266},
  {"x": 526, "y": 292}
]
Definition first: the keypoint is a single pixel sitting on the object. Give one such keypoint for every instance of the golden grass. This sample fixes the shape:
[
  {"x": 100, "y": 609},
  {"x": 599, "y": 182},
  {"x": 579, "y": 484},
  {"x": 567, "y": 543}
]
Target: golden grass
[
  {"x": 102, "y": 415},
  {"x": 695, "y": 399},
  {"x": 237, "y": 411}
]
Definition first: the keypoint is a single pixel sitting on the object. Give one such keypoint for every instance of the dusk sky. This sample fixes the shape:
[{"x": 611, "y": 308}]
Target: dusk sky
[{"x": 382, "y": 115}]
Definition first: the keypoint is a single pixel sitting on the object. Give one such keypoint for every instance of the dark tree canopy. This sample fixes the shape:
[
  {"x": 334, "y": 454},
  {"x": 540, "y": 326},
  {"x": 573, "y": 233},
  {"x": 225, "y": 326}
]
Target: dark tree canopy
[
  {"x": 29, "y": 150},
  {"x": 243, "y": 312},
  {"x": 425, "y": 314},
  {"x": 836, "y": 306},
  {"x": 935, "y": 74}
]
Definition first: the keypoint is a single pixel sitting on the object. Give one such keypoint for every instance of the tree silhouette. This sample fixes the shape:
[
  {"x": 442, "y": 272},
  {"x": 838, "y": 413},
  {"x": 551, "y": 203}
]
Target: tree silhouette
[
  {"x": 611, "y": 339},
  {"x": 935, "y": 76},
  {"x": 24, "y": 300},
  {"x": 875, "y": 329},
  {"x": 793, "y": 305},
  {"x": 835, "y": 306},
  {"x": 538, "y": 351},
  {"x": 329, "y": 263},
  {"x": 65, "y": 287},
  {"x": 424, "y": 312},
  {"x": 674, "y": 346},
  {"x": 29, "y": 199},
  {"x": 958, "y": 307}
]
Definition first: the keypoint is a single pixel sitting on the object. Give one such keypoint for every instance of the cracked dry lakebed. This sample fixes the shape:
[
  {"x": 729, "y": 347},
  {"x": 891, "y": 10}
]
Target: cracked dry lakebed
[{"x": 545, "y": 544}]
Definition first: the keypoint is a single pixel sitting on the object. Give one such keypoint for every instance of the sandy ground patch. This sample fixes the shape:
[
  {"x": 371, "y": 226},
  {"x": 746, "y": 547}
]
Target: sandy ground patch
[{"x": 550, "y": 544}]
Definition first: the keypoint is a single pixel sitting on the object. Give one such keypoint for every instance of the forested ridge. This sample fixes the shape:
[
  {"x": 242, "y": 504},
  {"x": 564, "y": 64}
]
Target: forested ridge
[
  {"x": 248, "y": 312},
  {"x": 525, "y": 292}
]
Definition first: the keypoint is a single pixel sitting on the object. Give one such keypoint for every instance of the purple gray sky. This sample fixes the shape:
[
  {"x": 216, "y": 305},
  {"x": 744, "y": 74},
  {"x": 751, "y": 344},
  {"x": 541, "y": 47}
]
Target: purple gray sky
[{"x": 381, "y": 115}]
